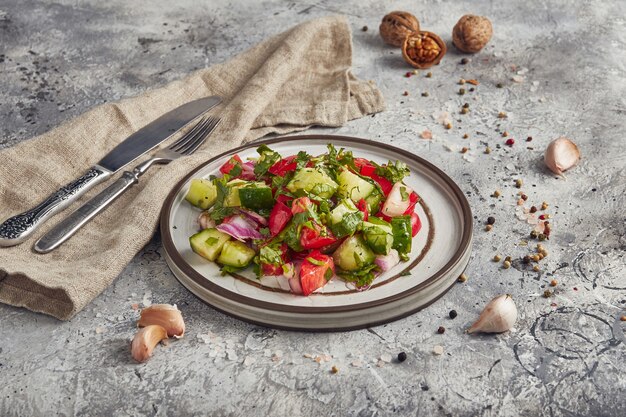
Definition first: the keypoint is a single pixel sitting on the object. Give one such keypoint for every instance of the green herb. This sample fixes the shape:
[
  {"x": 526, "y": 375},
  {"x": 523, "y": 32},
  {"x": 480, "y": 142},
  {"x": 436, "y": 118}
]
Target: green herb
[
  {"x": 302, "y": 159},
  {"x": 236, "y": 171},
  {"x": 315, "y": 261},
  {"x": 267, "y": 159},
  {"x": 271, "y": 254},
  {"x": 360, "y": 278},
  {"x": 394, "y": 172},
  {"x": 211, "y": 241},
  {"x": 227, "y": 269},
  {"x": 265, "y": 231},
  {"x": 404, "y": 194}
]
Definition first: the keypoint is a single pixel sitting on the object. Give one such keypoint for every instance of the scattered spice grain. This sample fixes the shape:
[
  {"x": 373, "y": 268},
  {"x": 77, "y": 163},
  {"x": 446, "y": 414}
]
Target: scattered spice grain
[
  {"x": 441, "y": 330},
  {"x": 506, "y": 264},
  {"x": 497, "y": 258},
  {"x": 554, "y": 283},
  {"x": 453, "y": 314},
  {"x": 402, "y": 356}
]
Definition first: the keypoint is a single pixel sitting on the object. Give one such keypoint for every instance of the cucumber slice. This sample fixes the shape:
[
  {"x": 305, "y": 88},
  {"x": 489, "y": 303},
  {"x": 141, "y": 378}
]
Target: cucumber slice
[
  {"x": 373, "y": 201},
  {"x": 353, "y": 254},
  {"x": 378, "y": 236},
  {"x": 256, "y": 197},
  {"x": 236, "y": 253},
  {"x": 202, "y": 193},
  {"x": 353, "y": 187},
  {"x": 312, "y": 181},
  {"x": 345, "y": 219},
  {"x": 233, "y": 198},
  {"x": 208, "y": 243}
]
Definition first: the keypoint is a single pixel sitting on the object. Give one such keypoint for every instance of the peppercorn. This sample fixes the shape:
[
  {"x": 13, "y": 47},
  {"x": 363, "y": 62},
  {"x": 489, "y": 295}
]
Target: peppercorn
[
  {"x": 534, "y": 234},
  {"x": 540, "y": 256},
  {"x": 472, "y": 90},
  {"x": 491, "y": 220},
  {"x": 461, "y": 91},
  {"x": 464, "y": 110},
  {"x": 462, "y": 278},
  {"x": 536, "y": 268},
  {"x": 554, "y": 283},
  {"x": 487, "y": 150},
  {"x": 408, "y": 74},
  {"x": 401, "y": 356},
  {"x": 526, "y": 259},
  {"x": 536, "y": 258},
  {"x": 415, "y": 72},
  {"x": 364, "y": 28},
  {"x": 425, "y": 94},
  {"x": 448, "y": 125},
  {"x": 496, "y": 194},
  {"x": 502, "y": 115},
  {"x": 508, "y": 259},
  {"x": 510, "y": 141},
  {"x": 453, "y": 314},
  {"x": 524, "y": 197},
  {"x": 461, "y": 81},
  {"x": 528, "y": 139},
  {"x": 544, "y": 205},
  {"x": 506, "y": 264},
  {"x": 499, "y": 85},
  {"x": 429, "y": 74},
  {"x": 505, "y": 134},
  {"x": 464, "y": 149},
  {"x": 623, "y": 318},
  {"x": 406, "y": 93},
  {"x": 533, "y": 209},
  {"x": 488, "y": 228},
  {"x": 334, "y": 369},
  {"x": 465, "y": 136},
  {"x": 497, "y": 258},
  {"x": 542, "y": 236},
  {"x": 546, "y": 230},
  {"x": 466, "y": 106},
  {"x": 464, "y": 61},
  {"x": 441, "y": 330},
  {"x": 518, "y": 183},
  {"x": 542, "y": 217},
  {"x": 547, "y": 293}
]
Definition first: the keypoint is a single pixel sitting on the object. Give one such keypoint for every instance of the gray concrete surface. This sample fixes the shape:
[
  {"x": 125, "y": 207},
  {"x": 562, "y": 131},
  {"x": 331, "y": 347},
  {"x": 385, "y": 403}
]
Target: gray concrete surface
[{"x": 566, "y": 355}]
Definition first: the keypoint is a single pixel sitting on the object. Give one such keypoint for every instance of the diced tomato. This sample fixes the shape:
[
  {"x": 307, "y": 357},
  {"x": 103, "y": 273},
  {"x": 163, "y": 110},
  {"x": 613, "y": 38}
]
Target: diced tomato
[
  {"x": 316, "y": 238},
  {"x": 362, "y": 206},
  {"x": 283, "y": 166},
  {"x": 230, "y": 164},
  {"x": 369, "y": 170},
  {"x": 416, "y": 224},
  {"x": 285, "y": 199},
  {"x": 300, "y": 205},
  {"x": 315, "y": 271},
  {"x": 413, "y": 199},
  {"x": 279, "y": 217},
  {"x": 273, "y": 269},
  {"x": 361, "y": 162}
]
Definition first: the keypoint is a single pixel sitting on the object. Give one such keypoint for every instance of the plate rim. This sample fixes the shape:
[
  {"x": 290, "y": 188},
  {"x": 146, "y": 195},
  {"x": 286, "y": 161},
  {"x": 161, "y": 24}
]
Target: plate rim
[{"x": 178, "y": 260}]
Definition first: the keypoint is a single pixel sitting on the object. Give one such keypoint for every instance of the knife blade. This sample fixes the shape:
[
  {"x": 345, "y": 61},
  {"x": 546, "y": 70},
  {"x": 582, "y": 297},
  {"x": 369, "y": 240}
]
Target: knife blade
[{"x": 16, "y": 229}]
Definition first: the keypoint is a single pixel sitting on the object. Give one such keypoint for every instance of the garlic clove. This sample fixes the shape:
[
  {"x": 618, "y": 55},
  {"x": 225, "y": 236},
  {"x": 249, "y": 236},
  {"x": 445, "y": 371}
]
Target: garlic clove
[
  {"x": 166, "y": 315},
  {"x": 561, "y": 154},
  {"x": 145, "y": 341},
  {"x": 498, "y": 316}
]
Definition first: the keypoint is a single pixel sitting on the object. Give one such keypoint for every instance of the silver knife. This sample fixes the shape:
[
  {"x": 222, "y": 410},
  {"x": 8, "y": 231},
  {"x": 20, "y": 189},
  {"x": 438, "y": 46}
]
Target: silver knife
[{"x": 16, "y": 229}]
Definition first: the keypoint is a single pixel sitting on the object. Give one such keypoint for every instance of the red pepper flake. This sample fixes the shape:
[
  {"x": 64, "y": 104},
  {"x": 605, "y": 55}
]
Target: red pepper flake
[
  {"x": 575, "y": 289},
  {"x": 542, "y": 217},
  {"x": 553, "y": 304},
  {"x": 408, "y": 74},
  {"x": 510, "y": 141}
]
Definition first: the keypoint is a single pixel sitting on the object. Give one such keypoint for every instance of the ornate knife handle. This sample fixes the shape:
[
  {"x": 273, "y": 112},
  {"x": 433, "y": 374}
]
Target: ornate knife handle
[{"x": 16, "y": 229}]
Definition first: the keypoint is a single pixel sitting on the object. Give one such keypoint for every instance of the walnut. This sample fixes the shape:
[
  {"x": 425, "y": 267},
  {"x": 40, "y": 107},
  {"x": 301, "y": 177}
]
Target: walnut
[
  {"x": 423, "y": 49},
  {"x": 471, "y": 33},
  {"x": 396, "y": 26}
]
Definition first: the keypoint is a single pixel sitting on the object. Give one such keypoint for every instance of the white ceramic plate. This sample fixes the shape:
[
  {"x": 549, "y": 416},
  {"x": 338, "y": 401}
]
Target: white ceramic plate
[{"x": 440, "y": 251}]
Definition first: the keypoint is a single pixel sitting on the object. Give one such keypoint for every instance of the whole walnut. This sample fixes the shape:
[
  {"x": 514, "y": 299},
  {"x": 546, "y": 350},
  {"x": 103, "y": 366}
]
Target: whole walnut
[
  {"x": 396, "y": 26},
  {"x": 471, "y": 33}
]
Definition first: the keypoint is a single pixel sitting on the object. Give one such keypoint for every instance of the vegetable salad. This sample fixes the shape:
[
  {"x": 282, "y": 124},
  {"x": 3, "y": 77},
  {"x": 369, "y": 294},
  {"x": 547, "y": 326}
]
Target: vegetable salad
[{"x": 306, "y": 218}]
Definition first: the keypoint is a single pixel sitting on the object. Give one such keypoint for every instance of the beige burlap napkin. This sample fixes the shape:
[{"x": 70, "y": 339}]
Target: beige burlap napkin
[{"x": 296, "y": 79}]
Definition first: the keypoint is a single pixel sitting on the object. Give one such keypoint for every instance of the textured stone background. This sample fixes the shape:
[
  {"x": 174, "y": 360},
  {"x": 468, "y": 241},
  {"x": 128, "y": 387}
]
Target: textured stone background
[{"x": 61, "y": 58}]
